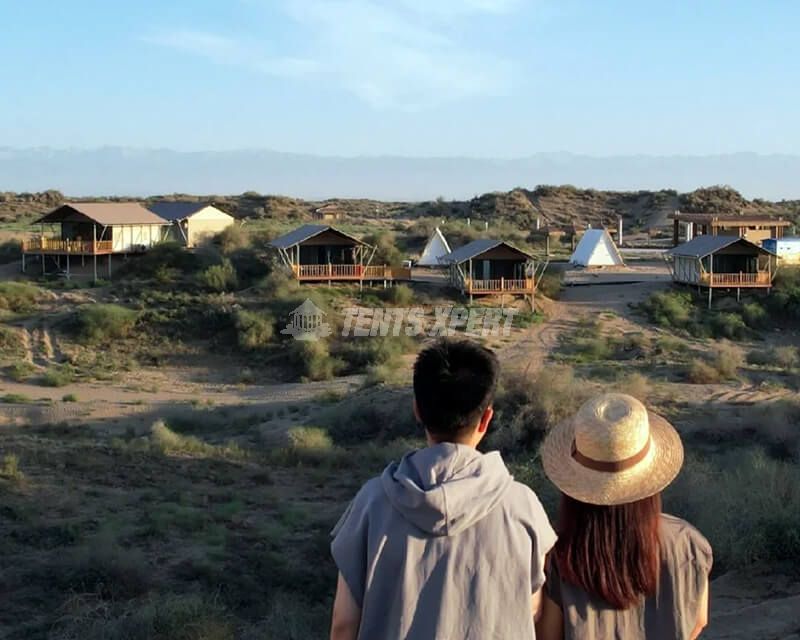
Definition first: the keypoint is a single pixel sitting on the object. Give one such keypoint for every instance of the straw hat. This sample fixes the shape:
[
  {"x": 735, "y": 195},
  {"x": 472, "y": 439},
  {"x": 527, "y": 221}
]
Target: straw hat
[{"x": 613, "y": 451}]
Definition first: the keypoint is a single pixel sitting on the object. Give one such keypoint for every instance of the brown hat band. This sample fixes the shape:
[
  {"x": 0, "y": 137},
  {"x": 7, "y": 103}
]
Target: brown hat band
[{"x": 610, "y": 465}]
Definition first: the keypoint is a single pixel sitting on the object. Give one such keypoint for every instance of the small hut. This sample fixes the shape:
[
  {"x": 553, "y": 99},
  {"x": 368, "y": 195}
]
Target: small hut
[
  {"x": 491, "y": 267},
  {"x": 722, "y": 262}
]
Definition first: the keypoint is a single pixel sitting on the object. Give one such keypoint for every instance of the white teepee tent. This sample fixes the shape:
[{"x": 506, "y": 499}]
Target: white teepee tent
[
  {"x": 435, "y": 248},
  {"x": 596, "y": 249}
]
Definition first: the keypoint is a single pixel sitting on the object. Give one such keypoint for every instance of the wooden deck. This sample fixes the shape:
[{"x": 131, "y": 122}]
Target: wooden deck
[
  {"x": 761, "y": 279},
  {"x": 502, "y": 285},
  {"x": 348, "y": 272},
  {"x": 57, "y": 246}
]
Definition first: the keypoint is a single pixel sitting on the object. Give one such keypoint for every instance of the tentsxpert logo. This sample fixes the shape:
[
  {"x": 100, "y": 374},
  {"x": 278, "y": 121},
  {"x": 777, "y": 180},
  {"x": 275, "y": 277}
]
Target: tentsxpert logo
[{"x": 307, "y": 322}]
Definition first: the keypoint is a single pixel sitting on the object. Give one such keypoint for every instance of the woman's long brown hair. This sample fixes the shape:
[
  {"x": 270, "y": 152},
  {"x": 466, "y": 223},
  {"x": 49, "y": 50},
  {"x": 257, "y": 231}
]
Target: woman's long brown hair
[{"x": 611, "y": 552}]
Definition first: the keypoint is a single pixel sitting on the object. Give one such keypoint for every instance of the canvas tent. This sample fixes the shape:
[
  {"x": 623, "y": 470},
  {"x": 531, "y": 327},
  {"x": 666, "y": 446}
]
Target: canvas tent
[
  {"x": 596, "y": 249},
  {"x": 435, "y": 249},
  {"x": 192, "y": 222}
]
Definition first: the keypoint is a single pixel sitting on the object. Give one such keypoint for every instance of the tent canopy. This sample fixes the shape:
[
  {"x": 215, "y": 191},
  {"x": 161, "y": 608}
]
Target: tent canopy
[
  {"x": 596, "y": 249},
  {"x": 435, "y": 248}
]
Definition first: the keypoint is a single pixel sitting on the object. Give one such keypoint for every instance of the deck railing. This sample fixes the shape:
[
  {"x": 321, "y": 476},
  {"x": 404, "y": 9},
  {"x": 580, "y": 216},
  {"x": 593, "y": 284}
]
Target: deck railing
[
  {"x": 500, "y": 285},
  {"x": 57, "y": 245},
  {"x": 349, "y": 272},
  {"x": 760, "y": 278}
]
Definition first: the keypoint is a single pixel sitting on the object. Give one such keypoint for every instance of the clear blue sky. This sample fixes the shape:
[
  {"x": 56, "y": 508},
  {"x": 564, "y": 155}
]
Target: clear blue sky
[{"x": 486, "y": 78}]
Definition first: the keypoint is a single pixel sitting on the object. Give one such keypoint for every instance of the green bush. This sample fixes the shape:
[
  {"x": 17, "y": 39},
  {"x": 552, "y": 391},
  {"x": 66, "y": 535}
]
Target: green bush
[
  {"x": 550, "y": 285},
  {"x": 253, "y": 330},
  {"x": 219, "y": 277},
  {"x": 19, "y": 297},
  {"x": 728, "y": 325},
  {"x": 58, "y": 376},
  {"x": 670, "y": 309},
  {"x": 747, "y": 504},
  {"x": 10, "y": 343},
  {"x": 400, "y": 295},
  {"x": 754, "y": 315},
  {"x": 724, "y": 364},
  {"x": 312, "y": 360},
  {"x": 102, "y": 322},
  {"x": 69, "y": 397},
  {"x": 360, "y": 353},
  {"x": 20, "y": 370},
  {"x": 15, "y": 398},
  {"x": 165, "y": 263},
  {"x": 784, "y": 357},
  {"x": 10, "y": 251},
  {"x": 309, "y": 445},
  {"x": 528, "y": 406}
]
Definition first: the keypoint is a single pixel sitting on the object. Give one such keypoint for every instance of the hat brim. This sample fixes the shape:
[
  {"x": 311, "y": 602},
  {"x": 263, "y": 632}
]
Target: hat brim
[{"x": 647, "y": 478}]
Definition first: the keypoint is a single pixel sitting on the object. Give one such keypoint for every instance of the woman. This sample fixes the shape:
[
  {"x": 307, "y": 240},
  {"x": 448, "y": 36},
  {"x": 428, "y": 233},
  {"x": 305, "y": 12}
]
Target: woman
[{"x": 620, "y": 569}]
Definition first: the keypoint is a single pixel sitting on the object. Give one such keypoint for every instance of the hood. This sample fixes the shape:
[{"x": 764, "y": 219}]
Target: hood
[{"x": 446, "y": 488}]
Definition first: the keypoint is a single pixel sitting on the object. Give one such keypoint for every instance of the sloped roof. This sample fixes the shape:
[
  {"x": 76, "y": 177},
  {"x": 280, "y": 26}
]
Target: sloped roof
[
  {"x": 705, "y": 245},
  {"x": 306, "y": 232},
  {"x": 177, "y": 210},
  {"x": 476, "y": 248},
  {"x": 596, "y": 249},
  {"x": 105, "y": 213}
]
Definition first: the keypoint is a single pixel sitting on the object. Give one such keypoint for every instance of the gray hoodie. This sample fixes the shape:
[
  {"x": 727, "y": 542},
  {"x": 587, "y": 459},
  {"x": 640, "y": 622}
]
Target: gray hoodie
[{"x": 444, "y": 545}]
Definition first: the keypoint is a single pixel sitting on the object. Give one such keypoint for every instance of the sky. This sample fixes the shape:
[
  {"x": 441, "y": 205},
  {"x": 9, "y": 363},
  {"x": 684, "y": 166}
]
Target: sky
[{"x": 420, "y": 78}]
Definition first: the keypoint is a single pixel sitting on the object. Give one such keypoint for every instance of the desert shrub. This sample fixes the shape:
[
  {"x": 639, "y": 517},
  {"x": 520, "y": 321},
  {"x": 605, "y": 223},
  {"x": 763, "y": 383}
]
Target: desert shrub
[
  {"x": 249, "y": 265},
  {"x": 167, "y": 441},
  {"x": 10, "y": 251},
  {"x": 20, "y": 370},
  {"x": 363, "y": 352},
  {"x": 747, "y": 504},
  {"x": 163, "y": 617},
  {"x": 100, "y": 322},
  {"x": 253, "y": 330},
  {"x": 232, "y": 238},
  {"x": 670, "y": 346},
  {"x": 670, "y": 309},
  {"x": 309, "y": 445},
  {"x": 106, "y": 569},
  {"x": 278, "y": 285},
  {"x": 400, "y": 295},
  {"x": 9, "y": 468},
  {"x": 69, "y": 397},
  {"x": 218, "y": 277},
  {"x": 165, "y": 263},
  {"x": 784, "y": 357},
  {"x": 550, "y": 285},
  {"x": 312, "y": 359},
  {"x": 635, "y": 384},
  {"x": 58, "y": 376},
  {"x": 19, "y": 297},
  {"x": 10, "y": 343},
  {"x": 15, "y": 398},
  {"x": 754, "y": 315},
  {"x": 728, "y": 325},
  {"x": 528, "y": 406},
  {"x": 290, "y": 618},
  {"x": 376, "y": 415},
  {"x": 386, "y": 251},
  {"x": 724, "y": 364}
]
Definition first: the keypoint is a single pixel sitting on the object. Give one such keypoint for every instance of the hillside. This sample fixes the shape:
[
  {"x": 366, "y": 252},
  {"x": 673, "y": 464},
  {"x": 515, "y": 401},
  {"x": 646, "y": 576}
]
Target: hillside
[{"x": 553, "y": 205}]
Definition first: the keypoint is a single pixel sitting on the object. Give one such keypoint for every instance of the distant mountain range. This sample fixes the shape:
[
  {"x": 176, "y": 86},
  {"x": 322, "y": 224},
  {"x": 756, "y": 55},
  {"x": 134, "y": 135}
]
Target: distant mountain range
[{"x": 139, "y": 172}]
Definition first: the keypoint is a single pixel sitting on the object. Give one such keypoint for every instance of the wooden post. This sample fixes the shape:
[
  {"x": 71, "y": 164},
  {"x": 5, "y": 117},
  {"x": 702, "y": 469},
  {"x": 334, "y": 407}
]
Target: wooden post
[
  {"x": 67, "y": 265},
  {"x": 109, "y": 266},
  {"x": 470, "y": 280},
  {"x": 94, "y": 252},
  {"x": 547, "y": 244}
]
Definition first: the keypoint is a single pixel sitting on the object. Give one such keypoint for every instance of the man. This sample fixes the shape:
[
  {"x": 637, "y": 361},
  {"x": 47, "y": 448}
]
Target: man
[{"x": 445, "y": 544}]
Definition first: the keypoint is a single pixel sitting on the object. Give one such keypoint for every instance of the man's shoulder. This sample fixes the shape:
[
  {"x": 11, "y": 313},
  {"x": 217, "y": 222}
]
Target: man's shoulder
[{"x": 521, "y": 501}]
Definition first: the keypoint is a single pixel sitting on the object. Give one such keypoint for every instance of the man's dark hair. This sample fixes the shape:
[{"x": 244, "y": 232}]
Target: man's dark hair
[{"x": 454, "y": 383}]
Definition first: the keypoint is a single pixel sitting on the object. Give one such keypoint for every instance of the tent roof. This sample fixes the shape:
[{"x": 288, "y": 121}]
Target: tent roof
[
  {"x": 477, "y": 247},
  {"x": 705, "y": 245},
  {"x": 104, "y": 213},
  {"x": 591, "y": 240},
  {"x": 435, "y": 248},
  {"x": 177, "y": 210},
  {"x": 306, "y": 232}
]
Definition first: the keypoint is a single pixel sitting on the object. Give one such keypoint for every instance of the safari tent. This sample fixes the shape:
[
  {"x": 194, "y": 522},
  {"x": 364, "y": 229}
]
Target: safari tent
[
  {"x": 596, "y": 249},
  {"x": 722, "y": 262},
  {"x": 318, "y": 252},
  {"x": 434, "y": 250},
  {"x": 93, "y": 229},
  {"x": 491, "y": 267},
  {"x": 192, "y": 222}
]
